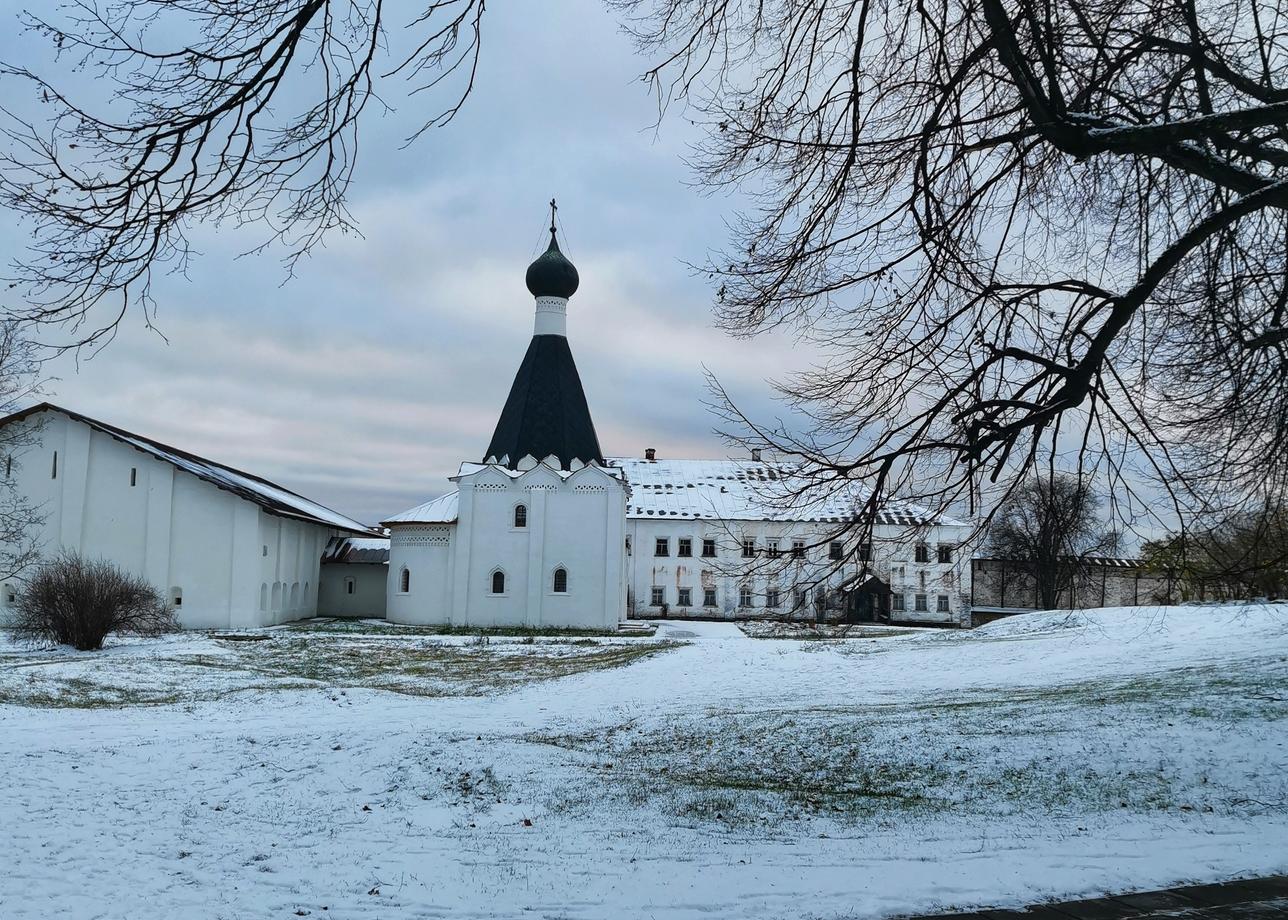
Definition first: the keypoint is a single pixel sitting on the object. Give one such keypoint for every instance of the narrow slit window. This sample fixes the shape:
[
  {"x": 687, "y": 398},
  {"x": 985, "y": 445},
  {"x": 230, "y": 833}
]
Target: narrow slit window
[
  {"x": 404, "y": 581},
  {"x": 134, "y": 476},
  {"x": 53, "y": 473}
]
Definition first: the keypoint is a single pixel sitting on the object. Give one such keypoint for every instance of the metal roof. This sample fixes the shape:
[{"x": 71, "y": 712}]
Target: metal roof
[
  {"x": 270, "y": 496},
  {"x": 368, "y": 550},
  {"x": 746, "y": 490}
]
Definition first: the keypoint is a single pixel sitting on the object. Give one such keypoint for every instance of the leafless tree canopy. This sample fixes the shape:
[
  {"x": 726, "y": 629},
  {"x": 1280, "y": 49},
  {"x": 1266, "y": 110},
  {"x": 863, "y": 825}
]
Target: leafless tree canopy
[
  {"x": 1048, "y": 531},
  {"x": 212, "y": 111},
  {"x": 1029, "y": 234},
  {"x": 19, "y": 517}
]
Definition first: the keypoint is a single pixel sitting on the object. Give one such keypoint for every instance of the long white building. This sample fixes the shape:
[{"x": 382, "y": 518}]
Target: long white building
[{"x": 227, "y": 548}]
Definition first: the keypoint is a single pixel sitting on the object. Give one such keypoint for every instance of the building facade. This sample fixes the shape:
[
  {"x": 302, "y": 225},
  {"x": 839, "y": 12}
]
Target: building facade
[
  {"x": 1002, "y": 587},
  {"x": 226, "y": 548}
]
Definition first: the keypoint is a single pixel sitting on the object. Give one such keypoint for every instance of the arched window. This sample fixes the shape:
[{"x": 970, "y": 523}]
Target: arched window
[
  {"x": 520, "y": 515},
  {"x": 349, "y": 585},
  {"x": 498, "y": 582},
  {"x": 404, "y": 581},
  {"x": 561, "y": 580}
]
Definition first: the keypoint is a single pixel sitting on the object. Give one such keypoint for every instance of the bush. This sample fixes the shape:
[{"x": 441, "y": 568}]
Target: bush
[{"x": 77, "y": 602}]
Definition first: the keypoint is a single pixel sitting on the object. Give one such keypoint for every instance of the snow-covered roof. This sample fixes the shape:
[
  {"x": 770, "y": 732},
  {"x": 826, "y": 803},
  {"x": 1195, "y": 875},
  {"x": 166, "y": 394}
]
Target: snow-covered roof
[
  {"x": 441, "y": 510},
  {"x": 371, "y": 550},
  {"x": 270, "y": 496},
  {"x": 742, "y": 490}
]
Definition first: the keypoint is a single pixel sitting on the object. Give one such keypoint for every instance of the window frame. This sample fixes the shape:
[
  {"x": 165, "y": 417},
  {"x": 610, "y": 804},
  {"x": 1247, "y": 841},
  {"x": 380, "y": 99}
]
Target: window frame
[
  {"x": 920, "y": 603},
  {"x": 749, "y": 547},
  {"x": 835, "y": 551},
  {"x": 404, "y": 580},
  {"x": 944, "y": 553},
  {"x": 922, "y": 553},
  {"x": 898, "y": 602},
  {"x": 684, "y": 547},
  {"x": 657, "y": 596},
  {"x": 661, "y": 547},
  {"x": 554, "y": 580},
  {"x": 684, "y": 597},
  {"x": 798, "y": 549},
  {"x": 710, "y": 598},
  {"x": 708, "y": 543},
  {"x": 746, "y": 597},
  {"x": 519, "y": 517},
  {"x": 773, "y": 598},
  {"x": 942, "y": 604}
]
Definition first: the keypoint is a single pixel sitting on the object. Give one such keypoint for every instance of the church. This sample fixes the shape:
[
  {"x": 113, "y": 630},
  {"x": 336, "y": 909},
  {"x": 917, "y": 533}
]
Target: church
[{"x": 542, "y": 530}]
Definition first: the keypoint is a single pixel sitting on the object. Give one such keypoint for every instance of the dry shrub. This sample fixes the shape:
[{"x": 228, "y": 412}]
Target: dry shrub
[{"x": 75, "y": 601}]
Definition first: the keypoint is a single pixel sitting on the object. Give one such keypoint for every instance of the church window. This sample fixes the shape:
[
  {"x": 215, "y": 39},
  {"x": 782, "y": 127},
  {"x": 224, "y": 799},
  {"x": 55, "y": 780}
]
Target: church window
[
  {"x": 748, "y": 547},
  {"x": 561, "y": 581},
  {"x": 772, "y": 598},
  {"x": 923, "y": 552},
  {"x": 686, "y": 597},
  {"x": 662, "y": 546},
  {"x": 659, "y": 595},
  {"x": 836, "y": 551},
  {"x": 708, "y": 549},
  {"x": 520, "y": 515},
  {"x": 134, "y": 476},
  {"x": 53, "y": 473},
  {"x": 684, "y": 547},
  {"x": 708, "y": 597},
  {"x": 348, "y": 585},
  {"x": 404, "y": 581},
  {"x": 745, "y": 597},
  {"x": 498, "y": 582}
]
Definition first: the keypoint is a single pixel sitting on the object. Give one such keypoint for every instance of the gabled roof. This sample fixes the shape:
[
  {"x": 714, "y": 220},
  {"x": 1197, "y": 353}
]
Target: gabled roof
[
  {"x": 368, "y": 550},
  {"x": 274, "y": 499},
  {"x": 744, "y": 490},
  {"x": 546, "y": 413}
]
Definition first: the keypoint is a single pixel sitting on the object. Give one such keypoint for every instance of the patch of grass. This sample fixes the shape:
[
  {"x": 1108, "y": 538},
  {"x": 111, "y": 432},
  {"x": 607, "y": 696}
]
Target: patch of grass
[
  {"x": 292, "y": 663},
  {"x": 381, "y": 628}
]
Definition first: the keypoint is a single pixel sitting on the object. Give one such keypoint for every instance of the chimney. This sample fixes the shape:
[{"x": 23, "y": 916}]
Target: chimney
[
  {"x": 650, "y": 453},
  {"x": 755, "y": 454}
]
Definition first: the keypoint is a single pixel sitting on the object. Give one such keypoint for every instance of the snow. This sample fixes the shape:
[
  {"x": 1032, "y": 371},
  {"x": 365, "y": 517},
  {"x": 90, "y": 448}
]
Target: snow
[
  {"x": 1047, "y": 755},
  {"x": 742, "y": 490},
  {"x": 441, "y": 510}
]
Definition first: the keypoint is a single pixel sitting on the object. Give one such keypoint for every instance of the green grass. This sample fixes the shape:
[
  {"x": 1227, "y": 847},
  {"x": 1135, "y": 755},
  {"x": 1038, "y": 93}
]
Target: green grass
[
  {"x": 296, "y": 662},
  {"x": 378, "y": 628}
]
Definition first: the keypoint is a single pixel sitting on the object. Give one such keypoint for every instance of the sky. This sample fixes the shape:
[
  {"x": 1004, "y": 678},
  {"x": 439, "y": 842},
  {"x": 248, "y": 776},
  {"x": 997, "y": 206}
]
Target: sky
[{"x": 367, "y": 378}]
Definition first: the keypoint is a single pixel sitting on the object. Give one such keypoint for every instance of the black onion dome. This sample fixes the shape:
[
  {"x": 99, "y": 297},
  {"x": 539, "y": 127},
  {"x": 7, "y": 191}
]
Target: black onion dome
[{"x": 552, "y": 275}]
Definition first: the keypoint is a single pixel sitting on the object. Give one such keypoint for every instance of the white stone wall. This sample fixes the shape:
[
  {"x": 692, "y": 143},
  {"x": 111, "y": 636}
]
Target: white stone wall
[
  {"x": 353, "y": 589},
  {"x": 575, "y": 523},
  {"x": 202, "y": 546},
  {"x": 893, "y": 560}
]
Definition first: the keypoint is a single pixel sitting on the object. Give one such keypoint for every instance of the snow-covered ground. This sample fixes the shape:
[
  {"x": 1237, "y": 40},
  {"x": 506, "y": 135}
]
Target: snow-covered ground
[{"x": 697, "y": 773}]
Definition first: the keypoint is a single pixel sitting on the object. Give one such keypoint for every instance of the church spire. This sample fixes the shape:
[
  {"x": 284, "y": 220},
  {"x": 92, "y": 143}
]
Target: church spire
[{"x": 546, "y": 414}]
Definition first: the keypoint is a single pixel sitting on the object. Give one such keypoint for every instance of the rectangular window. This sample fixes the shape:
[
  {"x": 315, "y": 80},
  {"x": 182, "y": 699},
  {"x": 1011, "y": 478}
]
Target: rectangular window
[
  {"x": 53, "y": 473},
  {"x": 685, "y": 599},
  {"x": 771, "y": 549},
  {"x": 662, "y": 546},
  {"x": 923, "y": 552},
  {"x": 708, "y": 597},
  {"x": 748, "y": 548},
  {"x": 744, "y": 596},
  {"x": 865, "y": 552},
  {"x": 897, "y": 602},
  {"x": 798, "y": 549},
  {"x": 835, "y": 551},
  {"x": 684, "y": 547},
  {"x": 941, "y": 603},
  {"x": 920, "y": 603},
  {"x": 802, "y": 599},
  {"x": 708, "y": 549},
  {"x": 659, "y": 596},
  {"x": 134, "y": 476},
  {"x": 771, "y": 598},
  {"x": 945, "y": 554}
]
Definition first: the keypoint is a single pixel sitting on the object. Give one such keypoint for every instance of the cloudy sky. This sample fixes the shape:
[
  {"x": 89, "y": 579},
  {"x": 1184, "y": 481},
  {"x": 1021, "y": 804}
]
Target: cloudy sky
[{"x": 365, "y": 380}]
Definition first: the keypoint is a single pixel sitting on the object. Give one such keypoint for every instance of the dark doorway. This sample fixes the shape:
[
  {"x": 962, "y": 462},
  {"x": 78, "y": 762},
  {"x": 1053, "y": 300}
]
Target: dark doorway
[{"x": 868, "y": 603}]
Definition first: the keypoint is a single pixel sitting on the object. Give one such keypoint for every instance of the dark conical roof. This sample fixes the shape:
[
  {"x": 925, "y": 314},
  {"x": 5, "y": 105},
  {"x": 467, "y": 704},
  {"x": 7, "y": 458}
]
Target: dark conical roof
[
  {"x": 552, "y": 275},
  {"x": 546, "y": 412}
]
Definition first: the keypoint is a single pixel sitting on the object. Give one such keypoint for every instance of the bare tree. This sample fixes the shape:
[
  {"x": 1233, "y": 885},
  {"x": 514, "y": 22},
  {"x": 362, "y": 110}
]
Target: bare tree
[
  {"x": 1244, "y": 556},
  {"x": 236, "y": 111},
  {"x": 1048, "y": 531},
  {"x": 1029, "y": 234},
  {"x": 20, "y": 520}
]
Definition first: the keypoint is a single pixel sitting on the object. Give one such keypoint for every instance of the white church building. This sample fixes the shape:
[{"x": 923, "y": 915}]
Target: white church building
[{"x": 541, "y": 531}]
